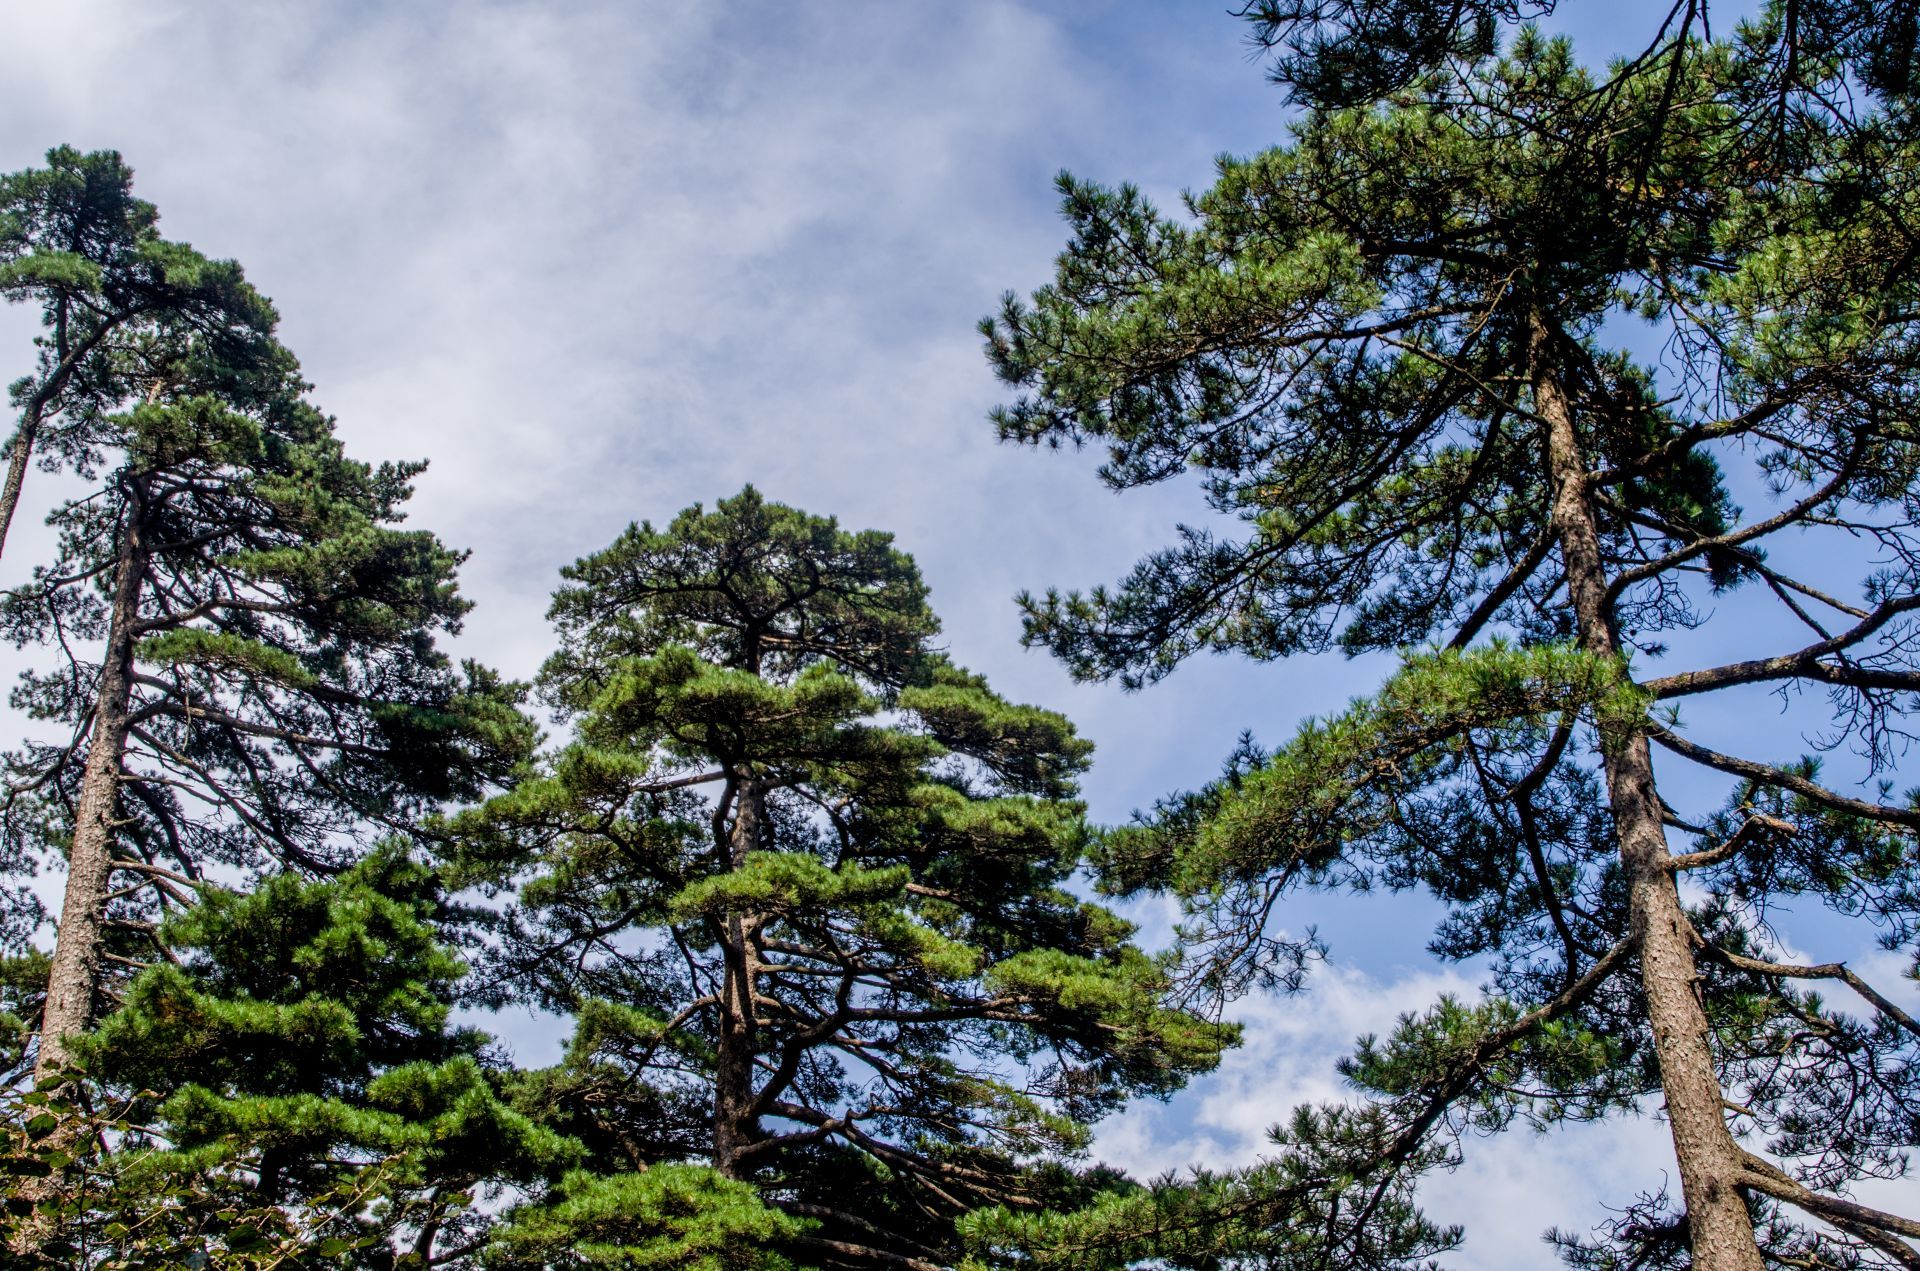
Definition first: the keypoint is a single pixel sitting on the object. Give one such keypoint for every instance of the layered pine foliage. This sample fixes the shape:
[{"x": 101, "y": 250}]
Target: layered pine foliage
[
  {"x": 804, "y": 884},
  {"x": 1473, "y": 363},
  {"x": 801, "y": 884}
]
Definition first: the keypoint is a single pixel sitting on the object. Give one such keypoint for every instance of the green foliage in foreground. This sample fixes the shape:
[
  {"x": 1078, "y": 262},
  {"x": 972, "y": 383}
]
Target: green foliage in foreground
[
  {"x": 299, "y": 1059},
  {"x": 683, "y": 1217},
  {"x": 114, "y": 1213}
]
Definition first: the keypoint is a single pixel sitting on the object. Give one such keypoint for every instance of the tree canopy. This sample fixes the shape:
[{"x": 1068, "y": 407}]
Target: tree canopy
[
  {"x": 75, "y": 241},
  {"x": 1398, "y": 350},
  {"x": 803, "y": 883}
]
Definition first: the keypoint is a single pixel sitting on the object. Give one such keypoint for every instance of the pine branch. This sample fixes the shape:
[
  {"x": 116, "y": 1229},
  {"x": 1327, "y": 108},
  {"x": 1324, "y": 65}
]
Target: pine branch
[
  {"x": 1699, "y": 546},
  {"x": 1516, "y": 578},
  {"x": 1767, "y": 774},
  {"x": 1764, "y": 1176},
  {"x": 858, "y": 1223},
  {"x": 844, "y": 1249},
  {"x": 1825, "y": 971},
  {"x": 1749, "y": 828},
  {"x": 1803, "y": 664}
]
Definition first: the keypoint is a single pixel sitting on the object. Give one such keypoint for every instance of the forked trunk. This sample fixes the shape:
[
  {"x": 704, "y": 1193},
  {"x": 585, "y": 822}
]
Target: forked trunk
[{"x": 1710, "y": 1160}]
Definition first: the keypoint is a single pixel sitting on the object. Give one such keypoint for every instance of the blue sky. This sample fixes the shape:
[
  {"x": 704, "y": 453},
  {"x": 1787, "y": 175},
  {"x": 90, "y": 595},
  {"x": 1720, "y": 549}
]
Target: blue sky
[{"x": 600, "y": 260}]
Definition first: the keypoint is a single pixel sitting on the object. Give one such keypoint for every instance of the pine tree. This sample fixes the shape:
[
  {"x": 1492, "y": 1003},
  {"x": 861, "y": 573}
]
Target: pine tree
[
  {"x": 75, "y": 241},
  {"x": 804, "y": 884},
  {"x": 1392, "y": 349},
  {"x": 298, "y": 1054},
  {"x": 240, "y": 641}
]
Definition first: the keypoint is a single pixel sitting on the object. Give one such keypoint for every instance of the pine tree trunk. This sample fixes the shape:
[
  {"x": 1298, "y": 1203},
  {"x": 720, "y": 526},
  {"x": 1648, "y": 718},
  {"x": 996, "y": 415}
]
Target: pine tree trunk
[
  {"x": 74, "y": 980},
  {"x": 17, "y": 456},
  {"x": 1709, "y": 1159},
  {"x": 21, "y": 451},
  {"x": 733, "y": 1099}
]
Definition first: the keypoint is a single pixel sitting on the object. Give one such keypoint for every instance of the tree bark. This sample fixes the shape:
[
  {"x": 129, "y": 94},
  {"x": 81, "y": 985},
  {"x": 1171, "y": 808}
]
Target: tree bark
[
  {"x": 1711, "y": 1162},
  {"x": 733, "y": 1098},
  {"x": 74, "y": 979},
  {"x": 20, "y": 452},
  {"x": 17, "y": 456}
]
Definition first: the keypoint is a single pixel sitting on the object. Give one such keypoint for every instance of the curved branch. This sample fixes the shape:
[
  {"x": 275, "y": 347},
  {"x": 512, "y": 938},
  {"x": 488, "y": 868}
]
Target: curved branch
[
  {"x": 1825, "y": 971},
  {"x": 1764, "y": 1176},
  {"x": 1754, "y": 823},
  {"x": 858, "y": 1223},
  {"x": 1516, "y": 579},
  {"x": 1733, "y": 538},
  {"x": 856, "y": 1253},
  {"x": 1767, "y": 774},
  {"x": 1803, "y": 664}
]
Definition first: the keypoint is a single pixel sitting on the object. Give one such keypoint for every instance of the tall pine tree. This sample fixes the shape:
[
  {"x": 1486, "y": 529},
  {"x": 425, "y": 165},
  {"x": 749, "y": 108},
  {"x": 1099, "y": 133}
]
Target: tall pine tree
[
  {"x": 238, "y": 640},
  {"x": 76, "y": 242},
  {"x": 1391, "y": 349},
  {"x": 804, "y": 883}
]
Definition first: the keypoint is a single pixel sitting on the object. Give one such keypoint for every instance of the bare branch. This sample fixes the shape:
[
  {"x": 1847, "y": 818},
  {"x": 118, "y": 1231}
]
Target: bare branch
[
  {"x": 1825, "y": 971},
  {"x": 1803, "y": 664},
  {"x": 1754, "y": 823},
  {"x": 1767, "y": 774},
  {"x": 1764, "y": 1176}
]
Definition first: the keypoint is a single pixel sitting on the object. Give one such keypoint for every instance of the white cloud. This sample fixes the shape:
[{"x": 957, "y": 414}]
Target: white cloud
[
  {"x": 600, "y": 261},
  {"x": 1567, "y": 1176},
  {"x": 1292, "y": 1044}
]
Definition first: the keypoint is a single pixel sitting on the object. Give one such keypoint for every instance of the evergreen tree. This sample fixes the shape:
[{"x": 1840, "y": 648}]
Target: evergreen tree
[
  {"x": 303, "y": 1062},
  {"x": 240, "y": 640},
  {"x": 1391, "y": 349},
  {"x": 804, "y": 884},
  {"x": 75, "y": 241}
]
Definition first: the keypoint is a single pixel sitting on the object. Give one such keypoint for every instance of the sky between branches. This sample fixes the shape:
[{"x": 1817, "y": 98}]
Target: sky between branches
[{"x": 602, "y": 260}]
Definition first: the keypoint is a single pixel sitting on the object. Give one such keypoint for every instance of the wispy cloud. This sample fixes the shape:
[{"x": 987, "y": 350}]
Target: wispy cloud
[{"x": 1293, "y": 1044}]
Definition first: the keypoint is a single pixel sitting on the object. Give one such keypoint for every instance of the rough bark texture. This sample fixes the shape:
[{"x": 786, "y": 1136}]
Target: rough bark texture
[
  {"x": 20, "y": 452},
  {"x": 1711, "y": 1162},
  {"x": 17, "y": 456},
  {"x": 733, "y": 1101},
  {"x": 74, "y": 979}
]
